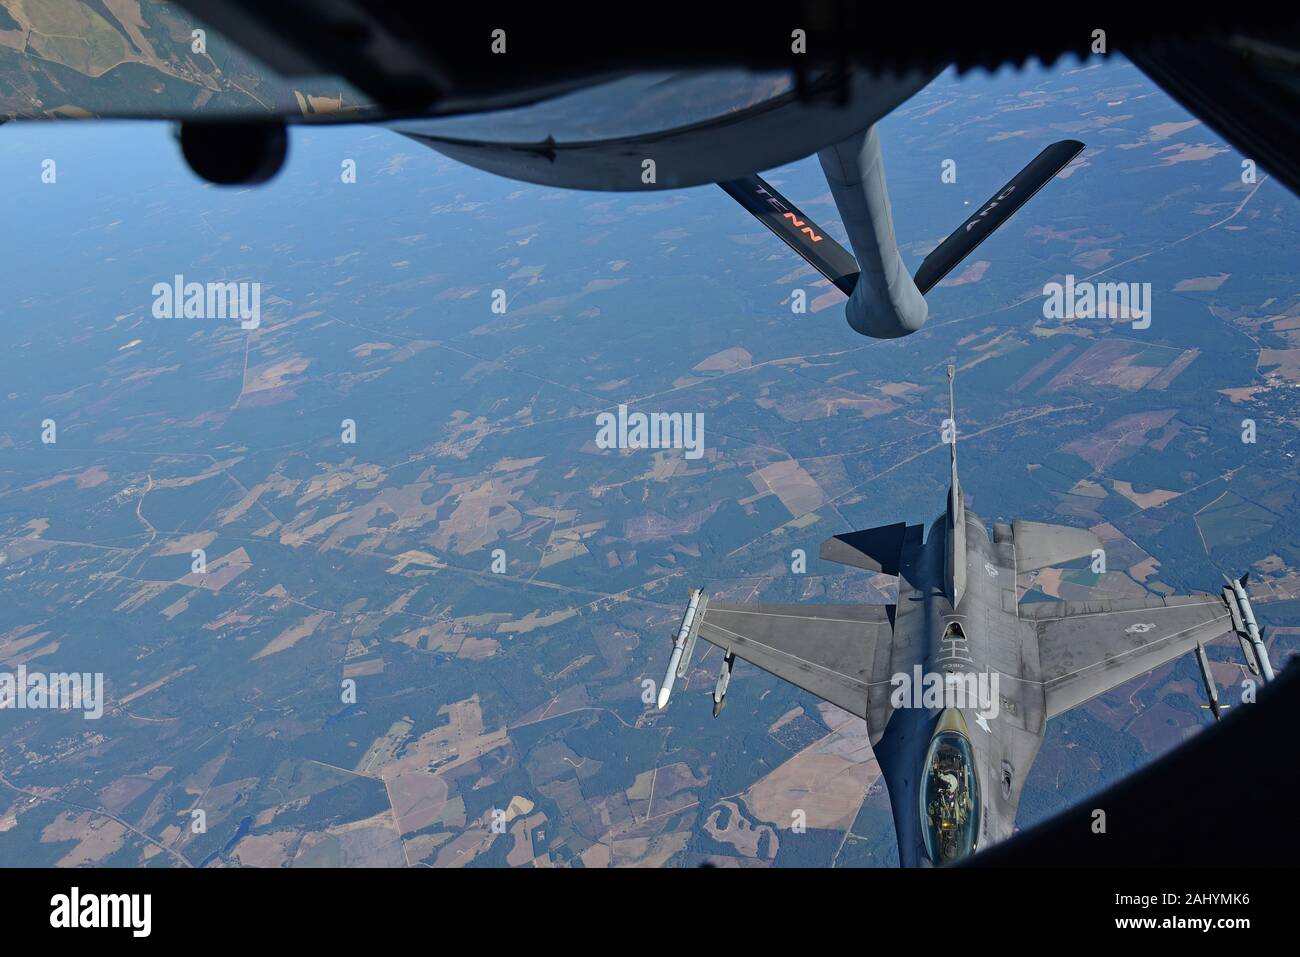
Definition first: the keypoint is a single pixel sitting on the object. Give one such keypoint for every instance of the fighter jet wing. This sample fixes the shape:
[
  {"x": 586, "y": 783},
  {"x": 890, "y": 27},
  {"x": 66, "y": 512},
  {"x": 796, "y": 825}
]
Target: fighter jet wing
[
  {"x": 829, "y": 650},
  {"x": 1088, "y": 647}
]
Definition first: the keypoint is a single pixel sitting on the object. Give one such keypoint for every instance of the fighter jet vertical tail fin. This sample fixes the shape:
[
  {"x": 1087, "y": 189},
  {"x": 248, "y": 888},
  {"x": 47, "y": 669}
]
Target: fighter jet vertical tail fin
[
  {"x": 952, "y": 424},
  {"x": 956, "y": 558}
]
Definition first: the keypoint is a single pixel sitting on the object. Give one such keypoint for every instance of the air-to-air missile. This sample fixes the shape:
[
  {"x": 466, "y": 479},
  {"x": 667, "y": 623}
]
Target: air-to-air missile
[
  {"x": 1248, "y": 632},
  {"x": 1211, "y": 689},
  {"x": 724, "y": 679},
  {"x": 683, "y": 645}
]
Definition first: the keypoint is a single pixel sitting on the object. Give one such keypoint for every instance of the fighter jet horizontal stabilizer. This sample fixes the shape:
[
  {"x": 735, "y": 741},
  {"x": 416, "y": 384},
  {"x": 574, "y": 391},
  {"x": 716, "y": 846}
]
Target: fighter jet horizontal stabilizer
[{"x": 874, "y": 549}]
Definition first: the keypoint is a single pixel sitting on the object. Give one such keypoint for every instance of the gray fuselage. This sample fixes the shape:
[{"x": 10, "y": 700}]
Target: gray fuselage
[{"x": 979, "y": 639}]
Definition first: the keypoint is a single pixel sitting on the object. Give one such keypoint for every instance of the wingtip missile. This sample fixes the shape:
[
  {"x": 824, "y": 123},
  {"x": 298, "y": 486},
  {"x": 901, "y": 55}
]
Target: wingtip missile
[
  {"x": 1248, "y": 630},
  {"x": 685, "y": 638}
]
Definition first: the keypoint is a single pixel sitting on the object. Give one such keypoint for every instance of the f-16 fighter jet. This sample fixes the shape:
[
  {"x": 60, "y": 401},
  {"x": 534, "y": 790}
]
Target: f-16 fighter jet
[{"x": 957, "y": 679}]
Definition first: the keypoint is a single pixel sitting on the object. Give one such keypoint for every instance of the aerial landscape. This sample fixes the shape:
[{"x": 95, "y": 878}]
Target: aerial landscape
[{"x": 367, "y": 586}]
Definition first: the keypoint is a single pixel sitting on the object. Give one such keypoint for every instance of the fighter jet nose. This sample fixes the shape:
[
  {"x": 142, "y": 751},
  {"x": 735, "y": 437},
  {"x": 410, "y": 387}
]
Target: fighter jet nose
[{"x": 718, "y": 706}]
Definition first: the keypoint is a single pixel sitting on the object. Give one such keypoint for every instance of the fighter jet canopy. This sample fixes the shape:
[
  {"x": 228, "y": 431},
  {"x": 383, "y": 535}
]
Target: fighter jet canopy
[{"x": 950, "y": 798}]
